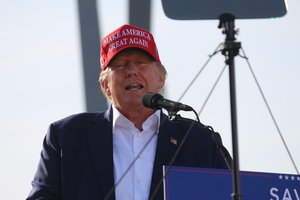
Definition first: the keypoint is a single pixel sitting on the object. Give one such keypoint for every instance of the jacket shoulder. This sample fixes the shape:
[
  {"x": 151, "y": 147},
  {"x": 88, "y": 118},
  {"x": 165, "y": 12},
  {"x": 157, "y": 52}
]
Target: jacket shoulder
[{"x": 80, "y": 119}]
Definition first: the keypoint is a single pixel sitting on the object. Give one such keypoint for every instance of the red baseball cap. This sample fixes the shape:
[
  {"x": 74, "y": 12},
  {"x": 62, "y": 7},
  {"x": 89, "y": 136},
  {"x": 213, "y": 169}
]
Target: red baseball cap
[{"x": 127, "y": 36}]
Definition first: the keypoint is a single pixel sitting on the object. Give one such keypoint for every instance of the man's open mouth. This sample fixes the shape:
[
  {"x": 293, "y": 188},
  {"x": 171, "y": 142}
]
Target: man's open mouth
[{"x": 134, "y": 86}]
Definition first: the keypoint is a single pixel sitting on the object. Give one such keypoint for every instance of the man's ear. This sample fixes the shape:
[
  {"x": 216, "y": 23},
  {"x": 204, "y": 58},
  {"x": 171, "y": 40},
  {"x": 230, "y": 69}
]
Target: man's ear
[
  {"x": 103, "y": 84},
  {"x": 161, "y": 81},
  {"x": 104, "y": 87}
]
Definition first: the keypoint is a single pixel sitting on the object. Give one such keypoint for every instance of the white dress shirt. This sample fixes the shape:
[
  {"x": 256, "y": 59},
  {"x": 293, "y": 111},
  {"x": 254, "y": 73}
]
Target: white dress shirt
[{"x": 133, "y": 155}]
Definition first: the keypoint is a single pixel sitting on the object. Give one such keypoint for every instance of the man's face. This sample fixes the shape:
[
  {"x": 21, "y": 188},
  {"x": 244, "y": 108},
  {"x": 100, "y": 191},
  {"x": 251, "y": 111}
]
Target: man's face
[{"x": 130, "y": 74}]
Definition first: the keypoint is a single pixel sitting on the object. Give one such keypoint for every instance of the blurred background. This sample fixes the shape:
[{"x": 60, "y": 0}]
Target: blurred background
[{"x": 41, "y": 80}]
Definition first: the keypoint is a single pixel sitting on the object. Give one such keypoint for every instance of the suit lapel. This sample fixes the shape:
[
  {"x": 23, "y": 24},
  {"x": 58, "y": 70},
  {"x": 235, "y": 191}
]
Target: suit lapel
[
  {"x": 167, "y": 144},
  {"x": 100, "y": 146}
]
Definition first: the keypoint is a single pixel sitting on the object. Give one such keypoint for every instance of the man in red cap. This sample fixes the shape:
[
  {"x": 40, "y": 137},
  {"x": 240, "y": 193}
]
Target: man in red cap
[{"x": 119, "y": 154}]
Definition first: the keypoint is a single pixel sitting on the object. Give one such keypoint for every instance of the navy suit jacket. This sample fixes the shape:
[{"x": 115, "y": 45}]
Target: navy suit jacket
[{"x": 77, "y": 158}]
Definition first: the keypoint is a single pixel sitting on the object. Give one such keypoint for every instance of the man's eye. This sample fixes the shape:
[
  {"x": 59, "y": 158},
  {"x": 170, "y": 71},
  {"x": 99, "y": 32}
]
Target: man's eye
[
  {"x": 141, "y": 62},
  {"x": 119, "y": 66}
]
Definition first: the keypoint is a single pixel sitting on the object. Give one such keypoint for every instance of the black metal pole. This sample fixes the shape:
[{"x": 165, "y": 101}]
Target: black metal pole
[
  {"x": 230, "y": 50},
  {"x": 236, "y": 180}
]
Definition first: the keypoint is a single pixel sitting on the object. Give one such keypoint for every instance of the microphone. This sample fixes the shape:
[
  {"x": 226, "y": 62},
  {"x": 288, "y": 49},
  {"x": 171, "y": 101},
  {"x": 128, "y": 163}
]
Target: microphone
[{"x": 156, "y": 101}]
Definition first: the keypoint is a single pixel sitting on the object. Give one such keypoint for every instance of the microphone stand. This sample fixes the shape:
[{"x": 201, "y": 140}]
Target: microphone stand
[
  {"x": 230, "y": 49},
  {"x": 215, "y": 136}
]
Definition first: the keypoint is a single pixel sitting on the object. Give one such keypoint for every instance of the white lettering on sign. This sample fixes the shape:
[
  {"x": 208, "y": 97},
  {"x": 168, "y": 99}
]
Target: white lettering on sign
[
  {"x": 273, "y": 192},
  {"x": 287, "y": 194}
]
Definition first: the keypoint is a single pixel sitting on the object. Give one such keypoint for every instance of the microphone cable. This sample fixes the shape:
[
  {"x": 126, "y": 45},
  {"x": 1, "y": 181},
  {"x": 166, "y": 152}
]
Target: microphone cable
[
  {"x": 158, "y": 185},
  {"x": 215, "y": 136}
]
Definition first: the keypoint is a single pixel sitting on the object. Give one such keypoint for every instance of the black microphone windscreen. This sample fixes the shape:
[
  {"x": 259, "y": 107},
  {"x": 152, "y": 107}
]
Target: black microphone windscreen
[{"x": 150, "y": 99}]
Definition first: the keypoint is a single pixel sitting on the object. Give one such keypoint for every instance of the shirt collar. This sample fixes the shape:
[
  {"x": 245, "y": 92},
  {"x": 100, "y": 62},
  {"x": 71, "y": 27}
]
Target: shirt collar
[{"x": 119, "y": 120}]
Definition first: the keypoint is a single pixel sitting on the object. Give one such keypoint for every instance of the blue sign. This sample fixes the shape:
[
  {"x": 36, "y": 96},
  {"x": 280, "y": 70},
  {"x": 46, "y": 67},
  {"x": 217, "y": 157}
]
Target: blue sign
[{"x": 182, "y": 183}]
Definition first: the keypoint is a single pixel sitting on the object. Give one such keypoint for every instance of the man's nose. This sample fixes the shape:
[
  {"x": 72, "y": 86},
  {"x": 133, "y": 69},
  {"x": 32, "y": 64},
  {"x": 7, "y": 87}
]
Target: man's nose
[{"x": 132, "y": 69}]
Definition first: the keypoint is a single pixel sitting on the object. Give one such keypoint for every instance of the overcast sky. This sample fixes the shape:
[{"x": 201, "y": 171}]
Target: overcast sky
[{"x": 41, "y": 80}]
